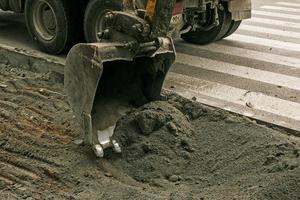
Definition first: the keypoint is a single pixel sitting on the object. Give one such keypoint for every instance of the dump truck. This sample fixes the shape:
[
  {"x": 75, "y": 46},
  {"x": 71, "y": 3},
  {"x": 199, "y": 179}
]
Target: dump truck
[{"x": 56, "y": 25}]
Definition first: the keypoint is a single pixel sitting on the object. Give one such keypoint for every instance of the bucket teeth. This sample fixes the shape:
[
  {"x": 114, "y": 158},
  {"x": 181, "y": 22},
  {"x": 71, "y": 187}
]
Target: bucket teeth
[
  {"x": 116, "y": 146},
  {"x": 99, "y": 151}
]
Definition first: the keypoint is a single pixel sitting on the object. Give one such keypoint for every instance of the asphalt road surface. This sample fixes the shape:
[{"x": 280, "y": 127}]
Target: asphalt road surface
[{"x": 254, "y": 72}]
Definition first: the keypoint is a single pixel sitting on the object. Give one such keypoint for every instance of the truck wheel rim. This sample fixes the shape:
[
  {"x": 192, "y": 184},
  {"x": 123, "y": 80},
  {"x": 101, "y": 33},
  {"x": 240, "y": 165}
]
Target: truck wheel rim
[{"x": 44, "y": 20}]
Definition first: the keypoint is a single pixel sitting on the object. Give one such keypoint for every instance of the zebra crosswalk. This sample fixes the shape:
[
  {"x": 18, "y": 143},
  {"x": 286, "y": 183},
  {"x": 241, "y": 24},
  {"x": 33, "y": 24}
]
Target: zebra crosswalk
[
  {"x": 274, "y": 22},
  {"x": 295, "y": 5},
  {"x": 280, "y": 8},
  {"x": 275, "y": 14},
  {"x": 255, "y": 72}
]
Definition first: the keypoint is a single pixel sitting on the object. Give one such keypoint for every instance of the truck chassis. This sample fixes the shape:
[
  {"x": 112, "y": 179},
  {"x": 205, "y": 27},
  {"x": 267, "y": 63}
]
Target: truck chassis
[{"x": 56, "y": 25}]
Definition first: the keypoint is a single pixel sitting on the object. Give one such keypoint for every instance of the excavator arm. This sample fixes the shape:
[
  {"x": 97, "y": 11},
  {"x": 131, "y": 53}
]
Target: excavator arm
[{"x": 126, "y": 69}]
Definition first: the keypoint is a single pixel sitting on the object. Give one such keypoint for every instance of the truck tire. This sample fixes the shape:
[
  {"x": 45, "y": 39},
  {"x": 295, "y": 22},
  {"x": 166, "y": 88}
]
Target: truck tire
[
  {"x": 233, "y": 27},
  {"x": 54, "y": 24},
  {"x": 94, "y": 15},
  {"x": 205, "y": 37}
]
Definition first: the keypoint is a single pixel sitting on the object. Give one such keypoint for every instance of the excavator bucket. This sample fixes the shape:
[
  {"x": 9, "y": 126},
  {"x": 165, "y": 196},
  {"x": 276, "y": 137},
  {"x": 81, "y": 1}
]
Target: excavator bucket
[
  {"x": 124, "y": 70},
  {"x": 105, "y": 80}
]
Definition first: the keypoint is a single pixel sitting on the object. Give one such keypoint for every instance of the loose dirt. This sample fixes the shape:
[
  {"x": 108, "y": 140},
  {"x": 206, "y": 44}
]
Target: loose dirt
[{"x": 172, "y": 149}]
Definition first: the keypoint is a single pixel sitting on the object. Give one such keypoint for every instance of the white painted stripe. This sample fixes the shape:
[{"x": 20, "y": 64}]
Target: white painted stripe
[
  {"x": 259, "y": 101},
  {"x": 288, "y": 4},
  {"x": 265, "y": 42},
  {"x": 274, "y": 22},
  {"x": 279, "y": 8},
  {"x": 251, "y": 54},
  {"x": 276, "y": 14},
  {"x": 240, "y": 71},
  {"x": 270, "y": 31}
]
